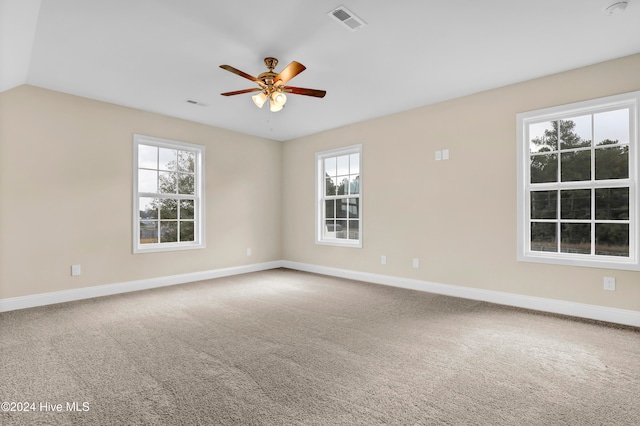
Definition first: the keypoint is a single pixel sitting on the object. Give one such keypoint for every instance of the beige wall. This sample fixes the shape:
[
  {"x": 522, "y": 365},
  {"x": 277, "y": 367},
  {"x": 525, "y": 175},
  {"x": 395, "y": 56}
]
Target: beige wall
[
  {"x": 66, "y": 194},
  {"x": 458, "y": 216}
]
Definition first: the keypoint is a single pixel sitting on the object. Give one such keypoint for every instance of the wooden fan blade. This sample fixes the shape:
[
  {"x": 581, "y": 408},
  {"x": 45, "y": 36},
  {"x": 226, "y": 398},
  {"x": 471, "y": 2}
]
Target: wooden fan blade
[
  {"x": 240, "y": 73},
  {"x": 293, "y": 69},
  {"x": 240, "y": 92},
  {"x": 307, "y": 92}
]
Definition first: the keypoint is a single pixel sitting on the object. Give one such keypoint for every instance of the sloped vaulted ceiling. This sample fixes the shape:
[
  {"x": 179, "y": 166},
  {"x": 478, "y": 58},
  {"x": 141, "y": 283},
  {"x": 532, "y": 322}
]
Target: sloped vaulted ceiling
[{"x": 157, "y": 54}]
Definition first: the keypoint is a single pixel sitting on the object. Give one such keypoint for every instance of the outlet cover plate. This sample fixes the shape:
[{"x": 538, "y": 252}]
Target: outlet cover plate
[
  {"x": 75, "y": 270},
  {"x": 609, "y": 283}
]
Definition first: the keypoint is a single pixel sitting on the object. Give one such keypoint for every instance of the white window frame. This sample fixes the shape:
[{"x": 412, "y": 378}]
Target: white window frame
[
  {"x": 321, "y": 238},
  {"x": 198, "y": 197},
  {"x": 523, "y": 120}
]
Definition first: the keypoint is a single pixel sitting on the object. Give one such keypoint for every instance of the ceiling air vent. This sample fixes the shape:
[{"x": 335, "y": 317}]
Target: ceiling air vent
[
  {"x": 192, "y": 102},
  {"x": 347, "y": 18}
]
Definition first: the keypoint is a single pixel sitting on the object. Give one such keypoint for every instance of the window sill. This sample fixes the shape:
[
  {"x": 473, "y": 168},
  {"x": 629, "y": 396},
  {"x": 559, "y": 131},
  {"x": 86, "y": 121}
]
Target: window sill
[
  {"x": 605, "y": 263},
  {"x": 155, "y": 248},
  {"x": 340, "y": 243}
]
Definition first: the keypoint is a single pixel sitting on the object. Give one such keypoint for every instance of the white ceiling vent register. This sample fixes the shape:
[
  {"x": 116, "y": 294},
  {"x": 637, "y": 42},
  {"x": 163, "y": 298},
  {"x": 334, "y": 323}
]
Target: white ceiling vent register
[
  {"x": 347, "y": 18},
  {"x": 192, "y": 102}
]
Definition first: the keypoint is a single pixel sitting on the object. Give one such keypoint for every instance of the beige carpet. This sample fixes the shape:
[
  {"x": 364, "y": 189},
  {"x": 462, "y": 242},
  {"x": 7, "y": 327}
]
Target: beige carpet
[{"x": 284, "y": 348}]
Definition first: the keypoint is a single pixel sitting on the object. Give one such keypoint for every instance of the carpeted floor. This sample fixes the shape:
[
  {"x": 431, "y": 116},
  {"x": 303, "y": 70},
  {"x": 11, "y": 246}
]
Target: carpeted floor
[{"x": 282, "y": 347}]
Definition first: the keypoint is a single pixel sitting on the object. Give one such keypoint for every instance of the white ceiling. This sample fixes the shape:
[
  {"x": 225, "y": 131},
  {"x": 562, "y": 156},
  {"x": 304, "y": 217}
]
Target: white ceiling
[{"x": 156, "y": 54}]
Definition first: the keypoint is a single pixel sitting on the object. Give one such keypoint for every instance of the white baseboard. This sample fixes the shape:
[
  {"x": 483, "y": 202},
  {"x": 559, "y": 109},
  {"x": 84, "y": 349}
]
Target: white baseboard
[
  {"x": 42, "y": 299},
  {"x": 600, "y": 313}
]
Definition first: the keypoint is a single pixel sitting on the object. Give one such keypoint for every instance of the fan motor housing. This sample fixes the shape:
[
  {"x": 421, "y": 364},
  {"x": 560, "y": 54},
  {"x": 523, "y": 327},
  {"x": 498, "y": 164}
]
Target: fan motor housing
[{"x": 267, "y": 77}]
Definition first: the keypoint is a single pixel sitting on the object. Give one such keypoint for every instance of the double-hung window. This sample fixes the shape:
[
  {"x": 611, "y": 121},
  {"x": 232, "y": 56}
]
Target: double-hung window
[
  {"x": 338, "y": 197},
  {"x": 578, "y": 184},
  {"x": 168, "y": 193}
]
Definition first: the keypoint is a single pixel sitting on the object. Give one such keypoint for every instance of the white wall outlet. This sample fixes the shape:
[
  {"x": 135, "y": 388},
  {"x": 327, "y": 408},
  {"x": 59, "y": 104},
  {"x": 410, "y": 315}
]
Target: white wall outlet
[
  {"x": 610, "y": 283},
  {"x": 438, "y": 155},
  {"x": 75, "y": 270},
  {"x": 416, "y": 262},
  {"x": 248, "y": 252},
  {"x": 383, "y": 260},
  {"x": 445, "y": 154}
]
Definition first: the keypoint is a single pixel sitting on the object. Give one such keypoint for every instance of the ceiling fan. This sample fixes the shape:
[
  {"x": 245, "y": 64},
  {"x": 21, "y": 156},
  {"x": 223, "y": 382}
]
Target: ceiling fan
[{"x": 272, "y": 85}]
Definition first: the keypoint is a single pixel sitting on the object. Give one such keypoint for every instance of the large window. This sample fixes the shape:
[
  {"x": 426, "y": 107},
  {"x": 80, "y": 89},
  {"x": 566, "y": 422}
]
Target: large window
[
  {"x": 578, "y": 184},
  {"x": 168, "y": 195},
  {"x": 338, "y": 201}
]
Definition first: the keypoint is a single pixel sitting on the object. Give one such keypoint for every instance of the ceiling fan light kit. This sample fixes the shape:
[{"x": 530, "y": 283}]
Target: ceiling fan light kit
[
  {"x": 259, "y": 99},
  {"x": 272, "y": 85}
]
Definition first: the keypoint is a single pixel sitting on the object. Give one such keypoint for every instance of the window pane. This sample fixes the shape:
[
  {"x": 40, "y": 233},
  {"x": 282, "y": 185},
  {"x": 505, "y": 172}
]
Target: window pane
[
  {"x": 575, "y": 132},
  {"x": 148, "y": 208},
  {"x": 343, "y": 165},
  {"x": 186, "y": 209},
  {"x": 186, "y": 161},
  {"x": 575, "y": 166},
  {"x": 354, "y": 208},
  {"x": 611, "y": 127},
  {"x": 543, "y": 237},
  {"x": 167, "y": 183},
  {"x": 186, "y": 231},
  {"x": 341, "y": 229},
  {"x": 329, "y": 209},
  {"x": 330, "y": 186},
  {"x": 147, "y": 181},
  {"x": 580, "y": 188},
  {"x": 186, "y": 183},
  {"x": 330, "y": 166},
  {"x": 330, "y": 228},
  {"x": 147, "y": 157},
  {"x": 544, "y": 168},
  {"x": 544, "y": 205},
  {"x": 612, "y": 239},
  {"x": 354, "y": 184},
  {"x": 168, "y": 208},
  {"x": 575, "y": 238},
  {"x": 339, "y": 203},
  {"x": 148, "y": 231},
  {"x": 575, "y": 204},
  {"x": 354, "y": 164},
  {"x": 343, "y": 185},
  {"x": 168, "y": 231},
  {"x": 543, "y": 137},
  {"x": 612, "y": 203},
  {"x": 341, "y": 208},
  {"x": 612, "y": 163},
  {"x": 168, "y": 159},
  {"x": 354, "y": 229}
]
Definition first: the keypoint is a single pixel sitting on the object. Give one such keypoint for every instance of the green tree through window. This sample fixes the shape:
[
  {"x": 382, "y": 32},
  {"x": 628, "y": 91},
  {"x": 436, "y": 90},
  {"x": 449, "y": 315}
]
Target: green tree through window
[
  {"x": 169, "y": 196},
  {"x": 577, "y": 183},
  {"x": 562, "y": 155}
]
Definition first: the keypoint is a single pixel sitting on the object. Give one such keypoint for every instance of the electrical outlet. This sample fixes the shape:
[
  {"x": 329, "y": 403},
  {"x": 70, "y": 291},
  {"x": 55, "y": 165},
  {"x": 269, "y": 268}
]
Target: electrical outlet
[
  {"x": 75, "y": 270},
  {"x": 445, "y": 154},
  {"x": 383, "y": 260},
  {"x": 438, "y": 155},
  {"x": 609, "y": 283},
  {"x": 416, "y": 262},
  {"x": 248, "y": 252}
]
